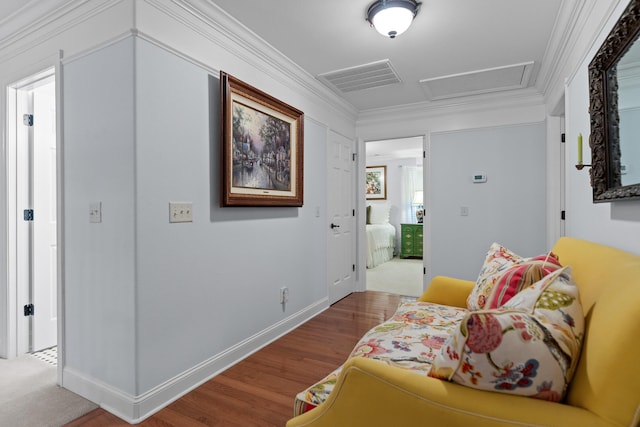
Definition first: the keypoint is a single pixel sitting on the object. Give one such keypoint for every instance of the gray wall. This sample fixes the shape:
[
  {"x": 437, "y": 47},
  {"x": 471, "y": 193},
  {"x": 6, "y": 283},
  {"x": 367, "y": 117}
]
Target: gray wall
[
  {"x": 148, "y": 300},
  {"x": 509, "y": 208},
  {"x": 99, "y": 264}
]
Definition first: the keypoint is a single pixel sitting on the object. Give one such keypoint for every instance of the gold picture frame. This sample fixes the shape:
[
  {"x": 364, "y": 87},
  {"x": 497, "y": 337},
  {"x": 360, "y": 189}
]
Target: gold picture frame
[
  {"x": 376, "y": 183},
  {"x": 262, "y": 147}
]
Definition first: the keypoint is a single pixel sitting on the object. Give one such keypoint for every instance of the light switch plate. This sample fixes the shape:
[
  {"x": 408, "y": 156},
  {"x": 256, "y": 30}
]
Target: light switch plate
[
  {"x": 180, "y": 212},
  {"x": 95, "y": 212}
]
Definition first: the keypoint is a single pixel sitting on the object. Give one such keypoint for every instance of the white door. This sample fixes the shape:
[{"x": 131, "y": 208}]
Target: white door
[
  {"x": 36, "y": 192},
  {"x": 341, "y": 214},
  {"x": 44, "y": 280}
]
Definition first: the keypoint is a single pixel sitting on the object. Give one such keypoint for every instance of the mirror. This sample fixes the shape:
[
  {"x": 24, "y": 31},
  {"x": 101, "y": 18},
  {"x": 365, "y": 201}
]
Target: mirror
[{"x": 614, "y": 108}]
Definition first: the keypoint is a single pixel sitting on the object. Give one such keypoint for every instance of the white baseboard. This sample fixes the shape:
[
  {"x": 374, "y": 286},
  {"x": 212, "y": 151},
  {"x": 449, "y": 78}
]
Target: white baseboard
[{"x": 135, "y": 409}]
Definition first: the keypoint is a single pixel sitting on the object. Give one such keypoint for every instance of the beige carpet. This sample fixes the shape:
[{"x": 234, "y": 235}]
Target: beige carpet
[
  {"x": 397, "y": 276},
  {"x": 29, "y": 396}
]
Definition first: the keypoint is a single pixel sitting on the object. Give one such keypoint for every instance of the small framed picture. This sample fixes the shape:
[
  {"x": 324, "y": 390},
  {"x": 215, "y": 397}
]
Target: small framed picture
[{"x": 376, "y": 181}]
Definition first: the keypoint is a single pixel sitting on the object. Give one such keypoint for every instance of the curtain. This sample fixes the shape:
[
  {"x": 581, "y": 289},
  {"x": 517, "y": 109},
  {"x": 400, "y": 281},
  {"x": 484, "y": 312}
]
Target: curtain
[{"x": 411, "y": 182}]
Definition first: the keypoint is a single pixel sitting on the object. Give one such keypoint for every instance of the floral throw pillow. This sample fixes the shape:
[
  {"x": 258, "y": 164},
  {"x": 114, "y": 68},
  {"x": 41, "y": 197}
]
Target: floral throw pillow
[
  {"x": 497, "y": 261},
  {"x": 529, "y": 347},
  {"x": 519, "y": 276}
]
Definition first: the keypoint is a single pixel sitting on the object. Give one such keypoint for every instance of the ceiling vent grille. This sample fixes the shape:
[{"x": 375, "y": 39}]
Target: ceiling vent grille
[
  {"x": 367, "y": 76},
  {"x": 515, "y": 76}
]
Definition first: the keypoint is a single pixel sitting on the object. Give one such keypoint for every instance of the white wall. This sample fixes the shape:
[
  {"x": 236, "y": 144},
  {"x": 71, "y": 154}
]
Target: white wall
[
  {"x": 157, "y": 299},
  {"x": 616, "y": 224},
  {"x": 34, "y": 49},
  {"x": 509, "y": 208},
  {"x": 113, "y": 264},
  {"x": 99, "y": 166},
  {"x": 432, "y": 119},
  {"x": 152, "y": 308},
  {"x": 208, "y": 285},
  {"x": 205, "y": 33}
]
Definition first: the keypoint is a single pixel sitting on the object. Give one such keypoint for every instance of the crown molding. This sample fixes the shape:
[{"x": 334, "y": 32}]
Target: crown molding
[
  {"x": 528, "y": 97},
  {"x": 30, "y": 13},
  {"x": 31, "y": 26},
  {"x": 577, "y": 29},
  {"x": 214, "y": 24},
  {"x": 39, "y": 21},
  {"x": 555, "y": 56}
]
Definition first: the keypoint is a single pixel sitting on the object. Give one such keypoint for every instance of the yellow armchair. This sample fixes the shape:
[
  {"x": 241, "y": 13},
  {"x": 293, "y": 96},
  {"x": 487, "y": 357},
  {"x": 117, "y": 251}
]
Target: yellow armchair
[{"x": 605, "y": 390}]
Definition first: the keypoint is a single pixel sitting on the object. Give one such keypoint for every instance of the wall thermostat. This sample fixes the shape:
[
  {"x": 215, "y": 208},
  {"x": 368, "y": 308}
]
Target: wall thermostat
[{"x": 479, "y": 178}]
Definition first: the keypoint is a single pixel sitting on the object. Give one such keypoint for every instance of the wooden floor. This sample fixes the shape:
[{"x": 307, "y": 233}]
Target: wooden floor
[{"x": 259, "y": 391}]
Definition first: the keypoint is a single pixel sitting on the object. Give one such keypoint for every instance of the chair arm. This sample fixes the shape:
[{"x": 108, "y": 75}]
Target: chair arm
[
  {"x": 448, "y": 291},
  {"x": 370, "y": 393}
]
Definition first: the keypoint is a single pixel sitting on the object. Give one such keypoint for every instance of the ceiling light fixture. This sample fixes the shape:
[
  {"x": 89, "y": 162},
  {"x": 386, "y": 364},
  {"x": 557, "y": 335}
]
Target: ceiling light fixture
[{"x": 392, "y": 17}]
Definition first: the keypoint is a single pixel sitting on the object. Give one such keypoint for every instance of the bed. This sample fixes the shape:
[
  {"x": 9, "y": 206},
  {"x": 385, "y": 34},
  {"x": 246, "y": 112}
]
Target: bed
[
  {"x": 381, "y": 236},
  {"x": 381, "y": 243}
]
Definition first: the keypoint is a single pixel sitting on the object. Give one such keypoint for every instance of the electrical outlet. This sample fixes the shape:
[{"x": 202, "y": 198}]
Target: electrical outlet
[
  {"x": 284, "y": 295},
  {"x": 180, "y": 212}
]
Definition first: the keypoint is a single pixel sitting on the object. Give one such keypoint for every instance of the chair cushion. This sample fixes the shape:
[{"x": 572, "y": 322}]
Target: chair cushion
[
  {"x": 529, "y": 347},
  {"x": 410, "y": 339}
]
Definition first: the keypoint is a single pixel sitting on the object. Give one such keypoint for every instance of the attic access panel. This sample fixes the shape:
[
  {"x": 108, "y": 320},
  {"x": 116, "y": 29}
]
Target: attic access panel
[{"x": 515, "y": 76}]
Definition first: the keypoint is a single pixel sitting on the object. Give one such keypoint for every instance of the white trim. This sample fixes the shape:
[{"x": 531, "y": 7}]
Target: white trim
[
  {"x": 176, "y": 52},
  {"x": 556, "y": 55},
  {"x": 426, "y": 229},
  {"x": 97, "y": 47},
  {"x": 8, "y": 329},
  {"x": 478, "y": 103},
  {"x": 8, "y": 336},
  {"x": 213, "y": 23},
  {"x": 135, "y": 409},
  {"x": 60, "y": 217},
  {"x": 361, "y": 215},
  {"x": 29, "y": 30},
  {"x": 597, "y": 36}
]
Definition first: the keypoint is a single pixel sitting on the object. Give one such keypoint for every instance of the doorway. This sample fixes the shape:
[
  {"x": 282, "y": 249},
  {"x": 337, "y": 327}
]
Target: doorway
[
  {"x": 399, "y": 269},
  {"x": 32, "y": 204}
]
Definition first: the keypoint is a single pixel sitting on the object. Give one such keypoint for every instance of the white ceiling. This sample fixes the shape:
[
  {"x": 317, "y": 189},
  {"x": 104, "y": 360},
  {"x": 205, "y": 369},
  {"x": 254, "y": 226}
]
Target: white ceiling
[
  {"x": 454, "y": 48},
  {"x": 390, "y": 149},
  {"x": 470, "y": 42}
]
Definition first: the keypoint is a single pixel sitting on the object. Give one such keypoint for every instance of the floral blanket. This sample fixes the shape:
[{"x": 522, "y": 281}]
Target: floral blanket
[{"x": 410, "y": 339}]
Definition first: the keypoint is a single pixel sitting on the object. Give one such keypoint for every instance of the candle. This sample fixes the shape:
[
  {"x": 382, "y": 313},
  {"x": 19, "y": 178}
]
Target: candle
[{"x": 580, "y": 148}]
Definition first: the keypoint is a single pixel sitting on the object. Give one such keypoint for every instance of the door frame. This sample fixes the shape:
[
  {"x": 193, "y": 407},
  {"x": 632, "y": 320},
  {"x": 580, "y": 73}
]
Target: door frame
[
  {"x": 361, "y": 209},
  {"x": 361, "y": 216},
  {"x": 8, "y": 217}
]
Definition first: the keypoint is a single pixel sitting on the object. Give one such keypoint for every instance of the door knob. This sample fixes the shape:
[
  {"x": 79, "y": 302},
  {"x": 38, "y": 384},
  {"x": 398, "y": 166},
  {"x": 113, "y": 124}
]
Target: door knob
[{"x": 334, "y": 226}]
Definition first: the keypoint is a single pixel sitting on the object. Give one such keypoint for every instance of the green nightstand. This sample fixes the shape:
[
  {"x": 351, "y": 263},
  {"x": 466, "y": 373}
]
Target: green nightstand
[{"x": 411, "y": 240}]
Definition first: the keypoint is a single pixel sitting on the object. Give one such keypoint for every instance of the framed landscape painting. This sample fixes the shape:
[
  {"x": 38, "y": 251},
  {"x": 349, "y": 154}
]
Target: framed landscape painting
[
  {"x": 376, "y": 177},
  {"x": 262, "y": 147}
]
